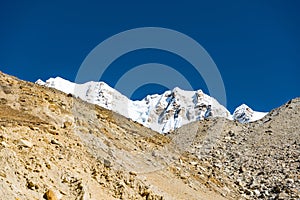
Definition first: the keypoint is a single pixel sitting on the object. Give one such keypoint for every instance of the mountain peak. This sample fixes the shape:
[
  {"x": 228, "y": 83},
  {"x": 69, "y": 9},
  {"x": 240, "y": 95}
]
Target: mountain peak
[
  {"x": 162, "y": 113},
  {"x": 245, "y": 114}
]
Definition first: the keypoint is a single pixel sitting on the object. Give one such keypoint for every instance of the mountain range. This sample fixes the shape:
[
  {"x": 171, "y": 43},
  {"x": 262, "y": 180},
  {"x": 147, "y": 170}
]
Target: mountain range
[{"x": 160, "y": 112}]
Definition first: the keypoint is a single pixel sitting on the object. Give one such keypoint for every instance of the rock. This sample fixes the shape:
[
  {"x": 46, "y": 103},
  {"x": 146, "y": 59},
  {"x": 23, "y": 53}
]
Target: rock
[
  {"x": 240, "y": 183},
  {"x": 4, "y": 144},
  {"x": 254, "y": 185},
  {"x": 51, "y": 195},
  {"x": 256, "y": 192},
  {"x": 218, "y": 165},
  {"x": 283, "y": 195},
  {"x": 184, "y": 176},
  {"x": 146, "y": 193},
  {"x": 154, "y": 153},
  {"x": 107, "y": 163},
  {"x": 276, "y": 189},
  {"x": 202, "y": 168},
  {"x": 2, "y": 174},
  {"x": 289, "y": 180},
  {"x": 48, "y": 165},
  {"x": 227, "y": 138},
  {"x": 242, "y": 169},
  {"x": 194, "y": 163},
  {"x": 231, "y": 133},
  {"x": 67, "y": 124},
  {"x": 30, "y": 185},
  {"x": 53, "y": 141},
  {"x": 133, "y": 173},
  {"x": 25, "y": 143},
  {"x": 267, "y": 193},
  {"x": 248, "y": 192}
]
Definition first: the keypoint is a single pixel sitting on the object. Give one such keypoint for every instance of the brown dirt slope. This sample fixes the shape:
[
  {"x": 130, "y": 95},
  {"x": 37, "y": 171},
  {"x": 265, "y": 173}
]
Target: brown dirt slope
[{"x": 55, "y": 146}]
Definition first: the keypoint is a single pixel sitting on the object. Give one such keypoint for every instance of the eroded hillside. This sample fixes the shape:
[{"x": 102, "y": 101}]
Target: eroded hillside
[{"x": 55, "y": 146}]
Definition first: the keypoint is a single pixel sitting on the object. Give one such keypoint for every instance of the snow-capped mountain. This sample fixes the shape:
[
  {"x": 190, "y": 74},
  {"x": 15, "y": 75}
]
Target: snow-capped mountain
[
  {"x": 162, "y": 113},
  {"x": 245, "y": 114}
]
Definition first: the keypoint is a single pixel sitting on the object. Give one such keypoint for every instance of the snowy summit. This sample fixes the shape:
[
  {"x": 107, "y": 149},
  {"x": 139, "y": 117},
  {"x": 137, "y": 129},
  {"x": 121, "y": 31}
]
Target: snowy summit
[{"x": 162, "y": 113}]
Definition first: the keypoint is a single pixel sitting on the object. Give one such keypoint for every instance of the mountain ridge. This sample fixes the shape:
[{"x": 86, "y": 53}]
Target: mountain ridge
[{"x": 160, "y": 112}]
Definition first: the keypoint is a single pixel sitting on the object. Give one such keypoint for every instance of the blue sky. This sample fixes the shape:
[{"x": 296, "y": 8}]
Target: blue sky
[{"x": 255, "y": 44}]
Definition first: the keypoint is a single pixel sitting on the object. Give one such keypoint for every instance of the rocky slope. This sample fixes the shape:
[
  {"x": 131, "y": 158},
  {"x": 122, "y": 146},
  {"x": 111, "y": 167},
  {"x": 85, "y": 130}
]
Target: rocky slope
[
  {"x": 262, "y": 158},
  {"x": 55, "y": 146}
]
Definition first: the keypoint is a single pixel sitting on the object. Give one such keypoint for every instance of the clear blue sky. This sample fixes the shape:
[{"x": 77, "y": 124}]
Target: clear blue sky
[{"x": 255, "y": 44}]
